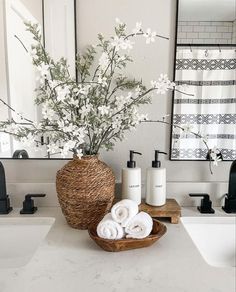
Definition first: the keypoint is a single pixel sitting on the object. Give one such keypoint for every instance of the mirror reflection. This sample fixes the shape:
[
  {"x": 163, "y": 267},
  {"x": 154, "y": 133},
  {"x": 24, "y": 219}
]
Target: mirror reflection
[
  {"x": 18, "y": 76},
  {"x": 206, "y": 67}
]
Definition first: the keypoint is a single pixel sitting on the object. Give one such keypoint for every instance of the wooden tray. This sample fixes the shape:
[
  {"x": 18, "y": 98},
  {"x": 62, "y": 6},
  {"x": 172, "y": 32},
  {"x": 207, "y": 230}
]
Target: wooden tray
[
  {"x": 170, "y": 210},
  {"x": 159, "y": 229}
]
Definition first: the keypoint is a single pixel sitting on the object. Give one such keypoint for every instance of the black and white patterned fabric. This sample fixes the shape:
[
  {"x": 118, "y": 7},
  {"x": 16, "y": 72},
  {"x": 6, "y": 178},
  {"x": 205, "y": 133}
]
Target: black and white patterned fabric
[{"x": 210, "y": 77}]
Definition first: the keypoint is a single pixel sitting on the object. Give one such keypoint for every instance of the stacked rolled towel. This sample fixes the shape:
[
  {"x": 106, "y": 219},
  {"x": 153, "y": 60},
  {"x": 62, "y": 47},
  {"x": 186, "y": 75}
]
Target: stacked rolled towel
[
  {"x": 109, "y": 229},
  {"x": 140, "y": 226},
  {"x": 124, "y": 211},
  {"x": 124, "y": 219}
]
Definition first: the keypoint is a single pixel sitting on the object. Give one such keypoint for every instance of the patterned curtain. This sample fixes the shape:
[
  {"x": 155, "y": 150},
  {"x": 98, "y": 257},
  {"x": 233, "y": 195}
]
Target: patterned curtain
[{"x": 210, "y": 76}]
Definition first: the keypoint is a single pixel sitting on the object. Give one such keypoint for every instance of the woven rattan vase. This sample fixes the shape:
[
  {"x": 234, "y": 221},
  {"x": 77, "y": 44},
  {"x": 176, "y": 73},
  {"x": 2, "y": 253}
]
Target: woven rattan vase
[{"x": 85, "y": 189}]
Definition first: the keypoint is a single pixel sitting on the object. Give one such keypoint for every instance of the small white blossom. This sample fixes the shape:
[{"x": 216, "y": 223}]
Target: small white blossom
[
  {"x": 69, "y": 128},
  {"x": 104, "y": 61},
  {"x": 116, "y": 123},
  {"x": 28, "y": 141},
  {"x": 52, "y": 148},
  {"x": 150, "y": 36},
  {"x": 68, "y": 146},
  {"x": 143, "y": 117},
  {"x": 62, "y": 92},
  {"x": 121, "y": 101},
  {"x": 98, "y": 131},
  {"x": 154, "y": 83},
  {"x": 104, "y": 110},
  {"x": 80, "y": 153},
  {"x": 215, "y": 155},
  {"x": 83, "y": 89},
  {"x": 138, "y": 28},
  {"x": 216, "y": 160},
  {"x": 47, "y": 112},
  {"x": 61, "y": 124},
  {"x": 33, "y": 54},
  {"x": 12, "y": 128},
  {"x": 85, "y": 110},
  {"x": 102, "y": 81},
  {"x": 74, "y": 102},
  {"x": 122, "y": 44},
  {"x": 79, "y": 133},
  {"x": 44, "y": 70},
  {"x": 163, "y": 84},
  {"x": 138, "y": 91},
  {"x": 137, "y": 118}
]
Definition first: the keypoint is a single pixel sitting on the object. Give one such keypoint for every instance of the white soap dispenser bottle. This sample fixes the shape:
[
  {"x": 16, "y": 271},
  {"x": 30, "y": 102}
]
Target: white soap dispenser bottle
[
  {"x": 131, "y": 180},
  {"x": 156, "y": 182}
]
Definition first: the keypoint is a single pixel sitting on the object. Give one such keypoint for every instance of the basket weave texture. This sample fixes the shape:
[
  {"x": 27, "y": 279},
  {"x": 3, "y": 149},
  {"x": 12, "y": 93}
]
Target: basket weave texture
[{"x": 86, "y": 190}]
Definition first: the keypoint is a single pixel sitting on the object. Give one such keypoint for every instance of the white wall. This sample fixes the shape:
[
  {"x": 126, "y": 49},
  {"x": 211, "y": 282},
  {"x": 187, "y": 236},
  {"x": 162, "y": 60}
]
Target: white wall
[
  {"x": 98, "y": 16},
  {"x": 3, "y": 83}
]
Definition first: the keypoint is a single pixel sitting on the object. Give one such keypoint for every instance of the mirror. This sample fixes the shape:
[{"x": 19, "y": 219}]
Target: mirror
[
  {"x": 18, "y": 76},
  {"x": 205, "y": 65}
]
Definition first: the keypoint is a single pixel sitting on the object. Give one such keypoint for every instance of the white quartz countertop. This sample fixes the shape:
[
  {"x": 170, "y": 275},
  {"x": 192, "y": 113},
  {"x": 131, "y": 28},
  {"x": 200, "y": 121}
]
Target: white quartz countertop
[{"x": 69, "y": 261}]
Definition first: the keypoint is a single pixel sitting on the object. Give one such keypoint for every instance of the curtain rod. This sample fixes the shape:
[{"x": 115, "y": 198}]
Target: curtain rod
[{"x": 206, "y": 45}]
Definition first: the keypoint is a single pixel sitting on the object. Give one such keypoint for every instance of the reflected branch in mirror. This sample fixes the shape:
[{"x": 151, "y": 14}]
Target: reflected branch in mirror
[{"x": 184, "y": 129}]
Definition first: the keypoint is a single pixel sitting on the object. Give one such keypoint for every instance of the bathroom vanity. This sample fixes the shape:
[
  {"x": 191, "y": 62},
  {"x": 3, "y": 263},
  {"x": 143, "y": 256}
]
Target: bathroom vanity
[
  {"x": 40, "y": 252},
  {"x": 68, "y": 260}
]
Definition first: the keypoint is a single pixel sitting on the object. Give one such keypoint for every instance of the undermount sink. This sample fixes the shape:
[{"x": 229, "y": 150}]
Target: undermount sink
[
  {"x": 215, "y": 238},
  {"x": 20, "y": 238}
]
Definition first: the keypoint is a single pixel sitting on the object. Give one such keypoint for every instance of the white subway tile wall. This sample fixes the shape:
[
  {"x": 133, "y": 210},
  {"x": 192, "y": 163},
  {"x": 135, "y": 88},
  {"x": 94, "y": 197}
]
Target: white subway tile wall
[
  {"x": 207, "y": 32},
  {"x": 234, "y": 32}
]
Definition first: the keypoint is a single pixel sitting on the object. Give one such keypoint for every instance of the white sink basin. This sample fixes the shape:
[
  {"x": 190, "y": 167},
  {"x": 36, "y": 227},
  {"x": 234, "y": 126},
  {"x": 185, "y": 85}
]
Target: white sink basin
[
  {"x": 20, "y": 238},
  {"x": 215, "y": 238}
]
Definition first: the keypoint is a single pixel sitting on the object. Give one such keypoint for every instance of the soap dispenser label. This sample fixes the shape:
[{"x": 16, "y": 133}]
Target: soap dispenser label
[{"x": 134, "y": 186}]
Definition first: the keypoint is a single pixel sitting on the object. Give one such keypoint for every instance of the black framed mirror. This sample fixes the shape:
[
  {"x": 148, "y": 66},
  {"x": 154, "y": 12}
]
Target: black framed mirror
[{"x": 205, "y": 65}]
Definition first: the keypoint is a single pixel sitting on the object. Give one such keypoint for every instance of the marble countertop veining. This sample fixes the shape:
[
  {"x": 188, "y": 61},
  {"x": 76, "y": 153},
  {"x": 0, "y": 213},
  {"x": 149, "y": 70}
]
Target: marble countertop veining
[{"x": 69, "y": 261}]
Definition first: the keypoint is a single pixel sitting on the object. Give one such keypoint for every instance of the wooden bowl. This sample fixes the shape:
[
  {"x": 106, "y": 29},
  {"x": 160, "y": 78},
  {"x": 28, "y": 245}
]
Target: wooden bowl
[{"x": 158, "y": 231}]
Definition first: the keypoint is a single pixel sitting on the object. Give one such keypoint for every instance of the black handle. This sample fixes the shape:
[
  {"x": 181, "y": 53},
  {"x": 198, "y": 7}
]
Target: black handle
[
  {"x": 205, "y": 196},
  {"x": 29, "y": 196},
  {"x": 137, "y": 152},
  {"x": 28, "y": 204},
  {"x": 206, "y": 203}
]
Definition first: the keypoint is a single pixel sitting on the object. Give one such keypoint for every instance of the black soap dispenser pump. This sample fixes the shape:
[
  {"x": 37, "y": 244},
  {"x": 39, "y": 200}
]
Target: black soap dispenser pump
[
  {"x": 131, "y": 179},
  {"x": 131, "y": 163},
  {"x": 157, "y": 163},
  {"x": 156, "y": 182}
]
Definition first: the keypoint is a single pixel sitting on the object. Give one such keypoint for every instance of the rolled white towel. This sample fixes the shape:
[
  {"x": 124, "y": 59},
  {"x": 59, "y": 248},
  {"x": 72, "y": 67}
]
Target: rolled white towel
[
  {"x": 123, "y": 211},
  {"x": 139, "y": 226},
  {"x": 109, "y": 229}
]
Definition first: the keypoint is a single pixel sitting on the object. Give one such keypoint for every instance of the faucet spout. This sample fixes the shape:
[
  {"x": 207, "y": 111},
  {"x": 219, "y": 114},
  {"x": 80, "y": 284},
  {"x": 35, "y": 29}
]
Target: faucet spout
[
  {"x": 232, "y": 181},
  {"x": 230, "y": 199},
  {"x": 3, "y": 190},
  {"x": 5, "y": 207}
]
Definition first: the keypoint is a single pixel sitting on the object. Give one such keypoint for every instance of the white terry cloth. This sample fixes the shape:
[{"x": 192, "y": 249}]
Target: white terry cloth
[
  {"x": 123, "y": 211},
  {"x": 109, "y": 229},
  {"x": 139, "y": 226}
]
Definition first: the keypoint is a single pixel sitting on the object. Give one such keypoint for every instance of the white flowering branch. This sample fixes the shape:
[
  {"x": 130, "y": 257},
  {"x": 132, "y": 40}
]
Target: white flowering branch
[
  {"x": 93, "y": 112},
  {"x": 198, "y": 135}
]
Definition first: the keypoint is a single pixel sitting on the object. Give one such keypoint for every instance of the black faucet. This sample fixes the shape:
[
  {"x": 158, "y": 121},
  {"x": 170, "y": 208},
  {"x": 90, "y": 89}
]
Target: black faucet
[
  {"x": 230, "y": 198},
  {"x": 28, "y": 204},
  {"x": 5, "y": 207},
  {"x": 206, "y": 204}
]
